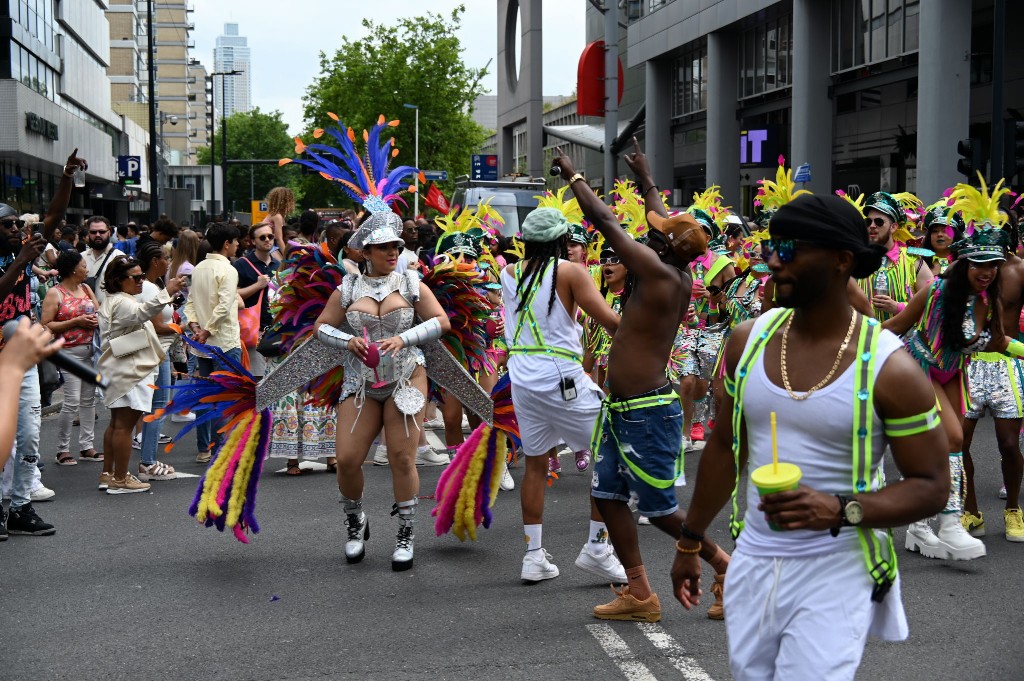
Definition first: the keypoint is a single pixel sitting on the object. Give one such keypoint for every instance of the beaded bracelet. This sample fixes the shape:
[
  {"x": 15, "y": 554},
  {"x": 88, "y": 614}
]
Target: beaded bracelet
[{"x": 680, "y": 549}]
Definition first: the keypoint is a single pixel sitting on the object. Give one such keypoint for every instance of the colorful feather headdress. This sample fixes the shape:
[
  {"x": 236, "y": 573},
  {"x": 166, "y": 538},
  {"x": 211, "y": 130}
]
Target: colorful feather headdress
[
  {"x": 366, "y": 178},
  {"x": 773, "y": 195},
  {"x": 857, "y": 203},
  {"x": 979, "y": 208},
  {"x": 628, "y": 207}
]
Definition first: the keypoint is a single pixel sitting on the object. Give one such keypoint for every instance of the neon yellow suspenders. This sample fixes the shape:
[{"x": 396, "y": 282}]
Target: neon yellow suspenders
[
  {"x": 879, "y": 556},
  {"x": 527, "y": 316},
  {"x": 626, "y": 405}
]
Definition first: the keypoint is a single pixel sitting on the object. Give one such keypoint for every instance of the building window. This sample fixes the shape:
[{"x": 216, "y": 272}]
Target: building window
[
  {"x": 871, "y": 31},
  {"x": 33, "y": 72},
  {"x": 690, "y": 81},
  {"x": 766, "y": 52}
]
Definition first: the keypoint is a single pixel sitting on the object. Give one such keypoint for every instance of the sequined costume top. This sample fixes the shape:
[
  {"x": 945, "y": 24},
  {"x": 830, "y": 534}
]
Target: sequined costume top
[
  {"x": 392, "y": 369},
  {"x": 926, "y": 344},
  {"x": 746, "y": 305}
]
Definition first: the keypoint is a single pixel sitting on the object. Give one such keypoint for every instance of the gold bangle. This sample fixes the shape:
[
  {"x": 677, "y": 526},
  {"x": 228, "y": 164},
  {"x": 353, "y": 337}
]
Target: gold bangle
[
  {"x": 680, "y": 549},
  {"x": 576, "y": 178}
]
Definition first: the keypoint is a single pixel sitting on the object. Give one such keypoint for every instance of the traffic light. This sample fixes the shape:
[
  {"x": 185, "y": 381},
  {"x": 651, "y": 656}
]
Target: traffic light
[
  {"x": 1013, "y": 161},
  {"x": 970, "y": 162}
]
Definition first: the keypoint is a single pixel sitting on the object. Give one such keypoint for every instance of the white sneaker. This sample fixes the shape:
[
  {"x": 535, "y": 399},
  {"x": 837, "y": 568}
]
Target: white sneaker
[
  {"x": 695, "y": 446},
  {"x": 42, "y": 493},
  {"x": 537, "y": 566},
  {"x": 137, "y": 441},
  {"x": 920, "y": 537},
  {"x": 1002, "y": 492},
  {"x": 954, "y": 543},
  {"x": 643, "y": 520},
  {"x": 183, "y": 418},
  {"x": 605, "y": 565},
  {"x": 634, "y": 501},
  {"x": 507, "y": 483},
  {"x": 426, "y": 456},
  {"x": 465, "y": 423},
  {"x": 380, "y": 455},
  {"x": 436, "y": 423}
]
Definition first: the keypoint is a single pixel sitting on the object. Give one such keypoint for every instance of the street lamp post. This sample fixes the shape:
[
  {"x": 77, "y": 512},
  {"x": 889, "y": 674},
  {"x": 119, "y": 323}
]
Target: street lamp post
[
  {"x": 224, "y": 140},
  {"x": 416, "y": 178},
  {"x": 173, "y": 120}
]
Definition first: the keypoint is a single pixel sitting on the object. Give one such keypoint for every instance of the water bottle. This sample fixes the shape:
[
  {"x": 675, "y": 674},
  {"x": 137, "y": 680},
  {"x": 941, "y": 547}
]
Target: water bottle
[{"x": 881, "y": 282}]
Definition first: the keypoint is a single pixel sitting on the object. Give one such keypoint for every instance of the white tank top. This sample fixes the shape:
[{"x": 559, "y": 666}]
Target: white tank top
[
  {"x": 557, "y": 330},
  {"x": 817, "y": 435}
]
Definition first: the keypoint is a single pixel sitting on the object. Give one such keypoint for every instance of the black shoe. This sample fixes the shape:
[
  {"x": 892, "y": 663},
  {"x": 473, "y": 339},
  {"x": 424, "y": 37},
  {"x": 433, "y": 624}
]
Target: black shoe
[
  {"x": 3, "y": 523},
  {"x": 23, "y": 520}
]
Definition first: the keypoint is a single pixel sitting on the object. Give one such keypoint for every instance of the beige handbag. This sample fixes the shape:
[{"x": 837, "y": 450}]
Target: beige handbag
[{"x": 129, "y": 343}]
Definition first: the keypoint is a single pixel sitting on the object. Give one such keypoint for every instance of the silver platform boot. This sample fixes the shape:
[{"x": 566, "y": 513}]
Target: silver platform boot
[
  {"x": 401, "y": 559},
  {"x": 357, "y": 526}
]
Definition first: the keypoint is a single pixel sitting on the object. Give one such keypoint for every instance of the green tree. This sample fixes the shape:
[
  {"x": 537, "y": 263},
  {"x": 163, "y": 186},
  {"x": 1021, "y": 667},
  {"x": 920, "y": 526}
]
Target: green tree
[
  {"x": 253, "y": 135},
  {"x": 416, "y": 61}
]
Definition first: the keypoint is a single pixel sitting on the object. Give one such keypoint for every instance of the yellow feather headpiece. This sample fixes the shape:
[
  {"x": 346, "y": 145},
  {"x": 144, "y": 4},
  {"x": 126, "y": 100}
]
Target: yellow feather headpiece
[
  {"x": 857, "y": 203},
  {"x": 979, "y": 207},
  {"x": 773, "y": 195},
  {"x": 570, "y": 209},
  {"x": 628, "y": 207}
]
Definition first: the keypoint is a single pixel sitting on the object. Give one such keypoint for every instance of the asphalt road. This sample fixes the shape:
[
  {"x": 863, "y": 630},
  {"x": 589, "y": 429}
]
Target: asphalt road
[{"x": 131, "y": 587}]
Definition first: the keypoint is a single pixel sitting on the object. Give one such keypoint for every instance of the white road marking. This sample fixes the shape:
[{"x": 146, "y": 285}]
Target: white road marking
[
  {"x": 675, "y": 653},
  {"x": 621, "y": 655}
]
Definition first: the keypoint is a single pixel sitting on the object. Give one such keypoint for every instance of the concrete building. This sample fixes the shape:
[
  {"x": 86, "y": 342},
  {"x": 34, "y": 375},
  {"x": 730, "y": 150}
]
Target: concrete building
[
  {"x": 873, "y": 94},
  {"x": 230, "y": 53}
]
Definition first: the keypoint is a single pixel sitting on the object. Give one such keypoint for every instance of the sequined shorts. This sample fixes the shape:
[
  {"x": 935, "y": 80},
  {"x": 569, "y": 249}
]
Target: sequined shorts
[{"x": 995, "y": 384}]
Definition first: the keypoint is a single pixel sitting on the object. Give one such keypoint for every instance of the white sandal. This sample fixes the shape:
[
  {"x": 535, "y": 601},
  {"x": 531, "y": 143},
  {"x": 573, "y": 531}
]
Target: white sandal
[{"x": 156, "y": 471}]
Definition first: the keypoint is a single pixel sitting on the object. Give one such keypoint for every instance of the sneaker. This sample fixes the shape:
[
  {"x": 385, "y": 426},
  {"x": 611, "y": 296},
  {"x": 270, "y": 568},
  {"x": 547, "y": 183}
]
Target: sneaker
[
  {"x": 605, "y": 565},
  {"x": 921, "y": 538},
  {"x": 697, "y": 432},
  {"x": 183, "y": 418},
  {"x": 436, "y": 423},
  {"x": 23, "y": 520},
  {"x": 204, "y": 457},
  {"x": 1002, "y": 492},
  {"x": 974, "y": 524},
  {"x": 582, "y": 460},
  {"x": 507, "y": 483},
  {"x": 1014, "y": 524},
  {"x": 137, "y": 441},
  {"x": 105, "y": 479},
  {"x": 42, "y": 493},
  {"x": 129, "y": 485},
  {"x": 554, "y": 465},
  {"x": 165, "y": 439},
  {"x": 626, "y": 607},
  {"x": 717, "y": 609},
  {"x": 537, "y": 566},
  {"x": 633, "y": 502},
  {"x": 3, "y": 523},
  {"x": 380, "y": 455},
  {"x": 156, "y": 471},
  {"x": 465, "y": 423},
  {"x": 643, "y": 520},
  {"x": 694, "y": 445},
  {"x": 426, "y": 456}
]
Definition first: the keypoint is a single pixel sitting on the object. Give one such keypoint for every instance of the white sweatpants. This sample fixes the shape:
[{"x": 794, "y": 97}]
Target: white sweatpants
[{"x": 790, "y": 619}]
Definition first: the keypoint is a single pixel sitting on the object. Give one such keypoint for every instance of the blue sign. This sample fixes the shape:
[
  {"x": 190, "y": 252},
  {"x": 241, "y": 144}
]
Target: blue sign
[
  {"x": 484, "y": 167},
  {"x": 436, "y": 175},
  {"x": 803, "y": 173},
  {"x": 15, "y": 181},
  {"x": 129, "y": 169}
]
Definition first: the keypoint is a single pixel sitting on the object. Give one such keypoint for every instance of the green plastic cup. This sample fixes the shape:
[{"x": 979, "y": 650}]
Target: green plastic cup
[{"x": 768, "y": 481}]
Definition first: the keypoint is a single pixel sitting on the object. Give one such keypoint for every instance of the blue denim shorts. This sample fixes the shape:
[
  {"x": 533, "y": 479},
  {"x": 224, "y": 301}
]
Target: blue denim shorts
[{"x": 651, "y": 438}]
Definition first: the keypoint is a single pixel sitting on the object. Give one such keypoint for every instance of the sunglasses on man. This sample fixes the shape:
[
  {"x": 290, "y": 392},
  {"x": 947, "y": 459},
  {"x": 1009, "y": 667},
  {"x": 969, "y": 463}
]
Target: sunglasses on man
[
  {"x": 784, "y": 248},
  {"x": 877, "y": 222}
]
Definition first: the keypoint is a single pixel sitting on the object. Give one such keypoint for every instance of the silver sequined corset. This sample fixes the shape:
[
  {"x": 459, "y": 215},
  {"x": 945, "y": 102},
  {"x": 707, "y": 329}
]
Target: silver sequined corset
[{"x": 391, "y": 368}]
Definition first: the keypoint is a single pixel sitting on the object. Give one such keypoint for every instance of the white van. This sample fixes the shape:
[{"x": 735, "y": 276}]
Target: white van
[{"x": 512, "y": 198}]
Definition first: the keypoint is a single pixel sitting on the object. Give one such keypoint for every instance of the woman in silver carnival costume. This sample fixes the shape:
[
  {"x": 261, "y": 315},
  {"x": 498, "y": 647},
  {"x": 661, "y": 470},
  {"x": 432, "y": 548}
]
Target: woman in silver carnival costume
[{"x": 374, "y": 314}]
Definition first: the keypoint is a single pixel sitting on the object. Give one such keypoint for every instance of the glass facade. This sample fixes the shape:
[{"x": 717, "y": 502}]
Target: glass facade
[
  {"x": 33, "y": 72},
  {"x": 690, "y": 81},
  {"x": 766, "y": 54},
  {"x": 870, "y": 31},
  {"x": 37, "y": 18}
]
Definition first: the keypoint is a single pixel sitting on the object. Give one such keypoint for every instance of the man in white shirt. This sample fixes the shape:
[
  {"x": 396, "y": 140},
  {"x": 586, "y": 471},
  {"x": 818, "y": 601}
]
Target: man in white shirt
[
  {"x": 212, "y": 311},
  {"x": 99, "y": 253}
]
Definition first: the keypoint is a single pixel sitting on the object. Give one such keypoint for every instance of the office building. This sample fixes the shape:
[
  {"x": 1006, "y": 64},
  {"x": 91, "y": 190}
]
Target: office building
[{"x": 231, "y": 53}]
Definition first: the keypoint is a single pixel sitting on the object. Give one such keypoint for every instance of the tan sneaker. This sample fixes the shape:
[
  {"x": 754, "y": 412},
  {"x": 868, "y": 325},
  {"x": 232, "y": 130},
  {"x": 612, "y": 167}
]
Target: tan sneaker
[
  {"x": 105, "y": 479},
  {"x": 627, "y": 608},
  {"x": 127, "y": 485},
  {"x": 717, "y": 610}
]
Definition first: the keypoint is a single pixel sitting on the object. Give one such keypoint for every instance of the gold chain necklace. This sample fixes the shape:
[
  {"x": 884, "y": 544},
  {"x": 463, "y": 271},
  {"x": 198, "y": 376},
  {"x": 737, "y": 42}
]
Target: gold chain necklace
[{"x": 835, "y": 365}]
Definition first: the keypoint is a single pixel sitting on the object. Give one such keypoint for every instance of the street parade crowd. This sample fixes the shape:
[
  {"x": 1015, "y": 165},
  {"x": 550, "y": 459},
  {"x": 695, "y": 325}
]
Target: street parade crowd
[{"x": 791, "y": 349}]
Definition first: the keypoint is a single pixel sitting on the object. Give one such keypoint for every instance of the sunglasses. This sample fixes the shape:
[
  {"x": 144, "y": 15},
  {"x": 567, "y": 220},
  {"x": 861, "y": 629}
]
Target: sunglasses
[
  {"x": 265, "y": 237},
  {"x": 613, "y": 260},
  {"x": 7, "y": 224},
  {"x": 877, "y": 222},
  {"x": 102, "y": 232},
  {"x": 784, "y": 248},
  {"x": 135, "y": 277}
]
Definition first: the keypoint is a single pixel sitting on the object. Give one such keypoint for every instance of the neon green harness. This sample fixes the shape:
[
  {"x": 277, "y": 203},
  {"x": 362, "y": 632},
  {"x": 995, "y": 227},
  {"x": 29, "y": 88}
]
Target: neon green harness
[
  {"x": 879, "y": 557},
  {"x": 527, "y": 316},
  {"x": 608, "y": 405}
]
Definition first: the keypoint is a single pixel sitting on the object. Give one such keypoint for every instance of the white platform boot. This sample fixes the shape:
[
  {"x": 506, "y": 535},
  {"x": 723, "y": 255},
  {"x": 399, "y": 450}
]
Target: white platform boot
[
  {"x": 921, "y": 538},
  {"x": 358, "y": 530},
  {"x": 954, "y": 543},
  {"x": 401, "y": 559}
]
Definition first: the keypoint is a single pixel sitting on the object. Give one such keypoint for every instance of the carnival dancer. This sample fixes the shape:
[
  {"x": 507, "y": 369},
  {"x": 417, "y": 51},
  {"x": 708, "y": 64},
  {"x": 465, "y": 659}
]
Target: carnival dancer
[
  {"x": 942, "y": 229},
  {"x": 901, "y": 275},
  {"x": 800, "y": 603},
  {"x": 996, "y": 385},
  {"x": 555, "y": 402},
  {"x": 638, "y": 440},
  {"x": 957, "y": 316}
]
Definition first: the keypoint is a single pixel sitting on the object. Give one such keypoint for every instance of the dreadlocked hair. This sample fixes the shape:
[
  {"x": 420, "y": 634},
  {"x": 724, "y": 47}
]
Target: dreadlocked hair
[
  {"x": 627, "y": 289},
  {"x": 537, "y": 255},
  {"x": 954, "y": 303}
]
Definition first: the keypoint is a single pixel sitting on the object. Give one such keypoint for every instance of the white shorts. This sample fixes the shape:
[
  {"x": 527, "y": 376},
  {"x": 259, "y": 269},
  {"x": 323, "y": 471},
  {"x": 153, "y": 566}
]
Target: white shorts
[
  {"x": 804, "y": 618},
  {"x": 547, "y": 421}
]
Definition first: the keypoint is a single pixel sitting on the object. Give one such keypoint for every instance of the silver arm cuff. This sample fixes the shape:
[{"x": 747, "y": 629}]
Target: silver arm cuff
[
  {"x": 422, "y": 333},
  {"x": 332, "y": 337}
]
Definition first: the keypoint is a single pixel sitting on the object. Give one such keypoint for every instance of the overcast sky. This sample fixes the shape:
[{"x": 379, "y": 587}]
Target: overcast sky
[{"x": 287, "y": 37}]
